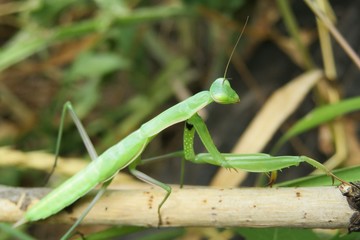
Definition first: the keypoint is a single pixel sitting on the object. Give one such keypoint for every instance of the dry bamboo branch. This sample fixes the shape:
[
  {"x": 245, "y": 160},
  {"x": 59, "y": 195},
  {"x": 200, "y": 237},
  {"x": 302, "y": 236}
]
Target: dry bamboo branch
[
  {"x": 45, "y": 161},
  {"x": 39, "y": 160},
  {"x": 318, "y": 207}
]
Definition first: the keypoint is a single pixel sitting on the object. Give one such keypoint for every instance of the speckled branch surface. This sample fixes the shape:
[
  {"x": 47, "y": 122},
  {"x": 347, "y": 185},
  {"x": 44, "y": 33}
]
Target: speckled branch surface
[{"x": 317, "y": 207}]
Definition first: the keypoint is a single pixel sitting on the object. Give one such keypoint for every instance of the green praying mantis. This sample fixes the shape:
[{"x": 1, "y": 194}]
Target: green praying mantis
[{"x": 127, "y": 153}]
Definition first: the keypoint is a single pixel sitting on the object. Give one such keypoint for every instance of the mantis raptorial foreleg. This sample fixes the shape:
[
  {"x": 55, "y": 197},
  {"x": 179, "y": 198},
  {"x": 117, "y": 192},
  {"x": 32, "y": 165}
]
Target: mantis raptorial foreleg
[
  {"x": 196, "y": 123},
  {"x": 201, "y": 129},
  {"x": 84, "y": 136}
]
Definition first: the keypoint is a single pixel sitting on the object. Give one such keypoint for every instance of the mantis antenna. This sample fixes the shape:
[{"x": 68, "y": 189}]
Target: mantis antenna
[{"x": 233, "y": 50}]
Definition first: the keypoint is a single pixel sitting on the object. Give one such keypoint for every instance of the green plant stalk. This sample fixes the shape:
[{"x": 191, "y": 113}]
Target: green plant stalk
[
  {"x": 16, "y": 233},
  {"x": 293, "y": 29},
  {"x": 326, "y": 48}
]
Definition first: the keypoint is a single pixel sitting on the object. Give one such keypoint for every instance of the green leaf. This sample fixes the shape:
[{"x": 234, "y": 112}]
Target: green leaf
[
  {"x": 16, "y": 233},
  {"x": 342, "y": 236},
  {"x": 21, "y": 46},
  {"x": 277, "y": 234},
  {"x": 318, "y": 116},
  {"x": 349, "y": 174},
  {"x": 162, "y": 234},
  {"x": 114, "y": 232},
  {"x": 97, "y": 64}
]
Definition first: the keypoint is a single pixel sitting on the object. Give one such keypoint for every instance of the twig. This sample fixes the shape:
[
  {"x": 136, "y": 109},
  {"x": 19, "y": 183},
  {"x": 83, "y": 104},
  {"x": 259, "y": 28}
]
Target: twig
[
  {"x": 338, "y": 37},
  {"x": 318, "y": 207}
]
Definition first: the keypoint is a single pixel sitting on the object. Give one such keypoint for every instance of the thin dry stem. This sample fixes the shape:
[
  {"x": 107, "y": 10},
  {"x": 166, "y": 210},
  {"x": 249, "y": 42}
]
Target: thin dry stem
[{"x": 336, "y": 34}]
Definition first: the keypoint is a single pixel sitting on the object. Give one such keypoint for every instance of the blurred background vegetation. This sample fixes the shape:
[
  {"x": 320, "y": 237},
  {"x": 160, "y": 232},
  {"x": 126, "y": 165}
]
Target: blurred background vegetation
[{"x": 122, "y": 62}]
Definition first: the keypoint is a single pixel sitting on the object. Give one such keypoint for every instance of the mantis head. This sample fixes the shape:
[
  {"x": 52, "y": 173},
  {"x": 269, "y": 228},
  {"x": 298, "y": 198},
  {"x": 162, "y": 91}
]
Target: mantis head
[{"x": 221, "y": 92}]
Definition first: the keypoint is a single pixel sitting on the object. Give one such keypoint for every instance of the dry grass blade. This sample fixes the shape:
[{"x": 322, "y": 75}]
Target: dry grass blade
[
  {"x": 338, "y": 37},
  {"x": 268, "y": 121}
]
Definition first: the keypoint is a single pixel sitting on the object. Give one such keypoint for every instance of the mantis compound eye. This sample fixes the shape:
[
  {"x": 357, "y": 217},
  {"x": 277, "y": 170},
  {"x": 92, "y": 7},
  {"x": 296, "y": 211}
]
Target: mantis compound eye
[{"x": 221, "y": 92}]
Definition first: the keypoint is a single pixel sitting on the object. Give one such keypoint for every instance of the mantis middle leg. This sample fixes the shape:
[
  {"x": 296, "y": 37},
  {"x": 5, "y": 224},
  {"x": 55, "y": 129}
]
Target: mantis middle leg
[{"x": 143, "y": 177}]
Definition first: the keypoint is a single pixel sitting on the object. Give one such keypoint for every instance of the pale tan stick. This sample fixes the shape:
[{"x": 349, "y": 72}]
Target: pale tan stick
[{"x": 320, "y": 207}]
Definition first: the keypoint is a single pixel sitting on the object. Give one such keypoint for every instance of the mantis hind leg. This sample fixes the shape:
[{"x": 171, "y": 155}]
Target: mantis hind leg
[
  {"x": 98, "y": 195},
  {"x": 93, "y": 155},
  {"x": 84, "y": 136},
  {"x": 143, "y": 177}
]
